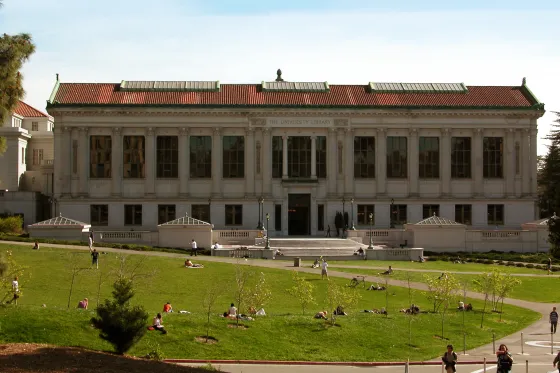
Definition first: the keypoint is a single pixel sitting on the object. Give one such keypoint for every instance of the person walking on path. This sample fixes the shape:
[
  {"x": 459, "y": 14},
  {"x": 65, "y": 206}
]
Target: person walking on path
[
  {"x": 449, "y": 359},
  {"x": 95, "y": 258},
  {"x": 90, "y": 241},
  {"x": 328, "y": 231},
  {"x": 556, "y": 361},
  {"x": 324, "y": 271},
  {"x": 193, "y": 248},
  {"x": 505, "y": 361},
  {"x": 553, "y": 319}
]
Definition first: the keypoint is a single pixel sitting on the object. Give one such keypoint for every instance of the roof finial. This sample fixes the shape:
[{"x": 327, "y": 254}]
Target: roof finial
[
  {"x": 435, "y": 213},
  {"x": 57, "y": 77},
  {"x": 524, "y": 81},
  {"x": 60, "y": 214},
  {"x": 279, "y": 77}
]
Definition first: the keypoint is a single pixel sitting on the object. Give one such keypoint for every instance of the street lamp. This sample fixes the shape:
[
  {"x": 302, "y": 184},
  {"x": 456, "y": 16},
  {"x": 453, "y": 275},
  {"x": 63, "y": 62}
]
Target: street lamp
[
  {"x": 267, "y": 235},
  {"x": 352, "y": 228},
  {"x": 370, "y": 231},
  {"x": 392, "y": 226},
  {"x": 343, "y": 215},
  {"x": 260, "y": 225}
]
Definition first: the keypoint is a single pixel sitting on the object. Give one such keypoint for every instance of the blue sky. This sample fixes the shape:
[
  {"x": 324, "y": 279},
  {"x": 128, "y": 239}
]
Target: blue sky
[{"x": 245, "y": 41}]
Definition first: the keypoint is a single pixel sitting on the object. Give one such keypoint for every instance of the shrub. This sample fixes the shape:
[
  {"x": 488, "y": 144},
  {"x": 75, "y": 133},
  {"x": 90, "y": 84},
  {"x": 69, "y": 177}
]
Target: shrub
[
  {"x": 11, "y": 225},
  {"x": 500, "y": 262},
  {"x": 530, "y": 265},
  {"x": 488, "y": 261},
  {"x": 520, "y": 265},
  {"x": 119, "y": 323},
  {"x": 510, "y": 264}
]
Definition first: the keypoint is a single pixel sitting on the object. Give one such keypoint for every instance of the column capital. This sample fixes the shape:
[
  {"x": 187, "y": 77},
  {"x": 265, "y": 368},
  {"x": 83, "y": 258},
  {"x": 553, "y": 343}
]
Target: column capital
[
  {"x": 381, "y": 130},
  {"x": 332, "y": 129},
  {"x": 446, "y": 132},
  {"x": 266, "y": 130},
  {"x": 314, "y": 137},
  {"x": 84, "y": 130},
  {"x": 285, "y": 137},
  {"x": 349, "y": 130},
  {"x": 249, "y": 131},
  {"x": 478, "y": 131},
  {"x": 117, "y": 131},
  {"x": 413, "y": 131},
  {"x": 67, "y": 129},
  {"x": 150, "y": 131},
  {"x": 217, "y": 131},
  {"x": 183, "y": 131}
]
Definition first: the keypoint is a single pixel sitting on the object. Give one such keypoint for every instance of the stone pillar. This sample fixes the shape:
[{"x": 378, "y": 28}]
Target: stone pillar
[
  {"x": 217, "y": 161},
  {"x": 525, "y": 162},
  {"x": 83, "y": 169},
  {"x": 184, "y": 162},
  {"x": 150, "y": 162},
  {"x": 331, "y": 162},
  {"x": 59, "y": 156},
  {"x": 313, "y": 157},
  {"x": 509, "y": 166},
  {"x": 116, "y": 162},
  {"x": 477, "y": 162},
  {"x": 534, "y": 163},
  {"x": 284, "y": 157},
  {"x": 413, "y": 162},
  {"x": 445, "y": 159},
  {"x": 67, "y": 160},
  {"x": 381, "y": 160},
  {"x": 74, "y": 162},
  {"x": 267, "y": 162},
  {"x": 250, "y": 162},
  {"x": 349, "y": 162}
]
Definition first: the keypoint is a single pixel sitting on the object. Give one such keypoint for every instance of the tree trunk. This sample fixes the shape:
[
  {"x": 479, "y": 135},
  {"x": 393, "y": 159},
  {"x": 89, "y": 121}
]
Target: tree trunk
[
  {"x": 483, "y": 311},
  {"x": 71, "y": 288}
]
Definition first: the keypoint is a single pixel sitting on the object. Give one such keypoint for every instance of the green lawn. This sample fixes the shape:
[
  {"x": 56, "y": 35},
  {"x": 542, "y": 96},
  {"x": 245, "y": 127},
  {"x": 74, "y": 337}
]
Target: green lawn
[{"x": 284, "y": 334}]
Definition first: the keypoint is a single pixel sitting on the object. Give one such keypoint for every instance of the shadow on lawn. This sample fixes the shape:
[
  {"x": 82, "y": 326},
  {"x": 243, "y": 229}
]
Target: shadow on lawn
[{"x": 28, "y": 358}]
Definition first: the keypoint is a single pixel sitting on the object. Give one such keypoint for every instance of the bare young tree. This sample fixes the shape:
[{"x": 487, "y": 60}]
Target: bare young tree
[
  {"x": 243, "y": 275},
  {"x": 213, "y": 291},
  {"x": 302, "y": 290},
  {"x": 76, "y": 266},
  {"x": 505, "y": 287},
  {"x": 340, "y": 296},
  {"x": 484, "y": 284},
  {"x": 259, "y": 294}
]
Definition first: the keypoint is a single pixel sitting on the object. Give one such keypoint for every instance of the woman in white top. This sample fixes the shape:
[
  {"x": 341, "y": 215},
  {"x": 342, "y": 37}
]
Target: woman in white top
[
  {"x": 158, "y": 324},
  {"x": 232, "y": 312}
]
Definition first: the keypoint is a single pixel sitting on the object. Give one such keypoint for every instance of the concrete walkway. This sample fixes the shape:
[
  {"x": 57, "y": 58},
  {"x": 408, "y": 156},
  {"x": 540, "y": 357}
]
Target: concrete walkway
[{"x": 537, "y": 337}]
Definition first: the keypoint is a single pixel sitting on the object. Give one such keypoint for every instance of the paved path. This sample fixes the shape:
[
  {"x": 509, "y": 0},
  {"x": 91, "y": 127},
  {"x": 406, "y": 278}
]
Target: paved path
[{"x": 537, "y": 337}]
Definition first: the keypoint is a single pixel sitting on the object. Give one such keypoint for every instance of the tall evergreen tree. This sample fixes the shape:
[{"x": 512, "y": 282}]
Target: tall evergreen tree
[{"x": 14, "y": 51}]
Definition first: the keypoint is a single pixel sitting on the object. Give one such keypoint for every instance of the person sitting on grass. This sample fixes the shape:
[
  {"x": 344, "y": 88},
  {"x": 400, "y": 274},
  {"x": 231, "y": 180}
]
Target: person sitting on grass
[
  {"x": 339, "y": 311},
  {"x": 421, "y": 259},
  {"x": 158, "y": 324},
  {"x": 167, "y": 308},
  {"x": 468, "y": 307},
  {"x": 190, "y": 264},
  {"x": 231, "y": 312},
  {"x": 443, "y": 276},
  {"x": 321, "y": 315},
  {"x": 36, "y": 246},
  {"x": 461, "y": 306},
  {"x": 387, "y": 272},
  {"x": 83, "y": 304}
]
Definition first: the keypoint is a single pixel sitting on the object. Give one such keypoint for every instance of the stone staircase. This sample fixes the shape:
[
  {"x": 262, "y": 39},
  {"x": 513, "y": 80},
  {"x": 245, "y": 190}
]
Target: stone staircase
[{"x": 314, "y": 247}]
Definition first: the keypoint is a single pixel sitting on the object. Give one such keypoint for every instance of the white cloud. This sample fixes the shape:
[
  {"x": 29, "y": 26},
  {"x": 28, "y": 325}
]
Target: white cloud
[{"x": 86, "y": 44}]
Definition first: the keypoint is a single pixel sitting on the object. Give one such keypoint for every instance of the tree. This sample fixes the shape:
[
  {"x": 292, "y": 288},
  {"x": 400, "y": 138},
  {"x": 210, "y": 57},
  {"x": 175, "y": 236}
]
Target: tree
[
  {"x": 213, "y": 291},
  {"x": 259, "y": 294},
  {"x": 342, "y": 296},
  {"x": 119, "y": 323},
  {"x": 302, "y": 290},
  {"x": 442, "y": 291},
  {"x": 9, "y": 269},
  {"x": 75, "y": 266},
  {"x": 483, "y": 283},
  {"x": 243, "y": 275},
  {"x": 504, "y": 288},
  {"x": 14, "y": 51}
]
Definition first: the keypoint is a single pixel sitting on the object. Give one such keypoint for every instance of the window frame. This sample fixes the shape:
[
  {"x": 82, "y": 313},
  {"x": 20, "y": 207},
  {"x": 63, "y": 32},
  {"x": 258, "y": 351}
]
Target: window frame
[
  {"x": 321, "y": 157},
  {"x": 277, "y": 153},
  {"x": 200, "y": 157},
  {"x": 396, "y": 147},
  {"x": 363, "y": 211},
  {"x": 134, "y": 149},
  {"x": 34, "y": 126},
  {"x": 233, "y": 157},
  {"x": 296, "y": 167},
  {"x": 428, "y": 210},
  {"x": 364, "y": 148},
  {"x": 103, "y": 150},
  {"x": 460, "y": 214},
  {"x": 135, "y": 210},
  {"x": 493, "y": 157},
  {"x": 201, "y": 212},
  {"x": 428, "y": 157},
  {"x": 167, "y": 157},
  {"x": 233, "y": 213},
  {"x": 400, "y": 214},
  {"x": 96, "y": 213},
  {"x": 461, "y": 161},
  {"x": 166, "y": 213},
  {"x": 492, "y": 211}
]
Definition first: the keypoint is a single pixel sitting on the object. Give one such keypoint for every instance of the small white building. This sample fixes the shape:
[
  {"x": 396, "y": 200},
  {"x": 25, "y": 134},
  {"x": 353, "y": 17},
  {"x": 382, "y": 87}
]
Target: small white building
[
  {"x": 180, "y": 232},
  {"x": 60, "y": 228},
  {"x": 437, "y": 233}
]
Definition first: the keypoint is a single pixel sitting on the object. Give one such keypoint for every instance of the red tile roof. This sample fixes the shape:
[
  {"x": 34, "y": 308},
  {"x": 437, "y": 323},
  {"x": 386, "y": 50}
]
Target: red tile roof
[
  {"x": 250, "y": 95},
  {"x": 27, "y": 111}
]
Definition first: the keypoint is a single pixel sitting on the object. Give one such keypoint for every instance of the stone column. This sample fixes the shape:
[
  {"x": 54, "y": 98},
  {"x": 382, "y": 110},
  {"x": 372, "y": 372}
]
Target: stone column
[
  {"x": 381, "y": 160},
  {"x": 509, "y": 166},
  {"x": 150, "y": 162},
  {"x": 413, "y": 162},
  {"x": 331, "y": 162},
  {"x": 184, "y": 161},
  {"x": 250, "y": 162},
  {"x": 59, "y": 156},
  {"x": 74, "y": 162},
  {"x": 445, "y": 158},
  {"x": 313, "y": 157},
  {"x": 477, "y": 162},
  {"x": 267, "y": 162},
  {"x": 349, "y": 157},
  {"x": 83, "y": 169},
  {"x": 217, "y": 161},
  {"x": 525, "y": 162},
  {"x": 67, "y": 160},
  {"x": 116, "y": 162},
  {"x": 534, "y": 163},
  {"x": 284, "y": 157}
]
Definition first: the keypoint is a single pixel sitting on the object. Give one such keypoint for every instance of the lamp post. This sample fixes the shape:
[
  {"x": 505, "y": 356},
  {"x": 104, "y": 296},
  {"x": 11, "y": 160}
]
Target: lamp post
[
  {"x": 209, "y": 209},
  {"x": 343, "y": 214},
  {"x": 53, "y": 201},
  {"x": 392, "y": 221},
  {"x": 370, "y": 247},
  {"x": 260, "y": 225},
  {"x": 352, "y": 228},
  {"x": 267, "y": 235}
]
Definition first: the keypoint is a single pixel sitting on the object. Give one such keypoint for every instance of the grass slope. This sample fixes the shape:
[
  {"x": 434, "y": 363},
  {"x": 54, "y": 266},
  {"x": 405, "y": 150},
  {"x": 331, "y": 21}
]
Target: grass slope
[{"x": 285, "y": 334}]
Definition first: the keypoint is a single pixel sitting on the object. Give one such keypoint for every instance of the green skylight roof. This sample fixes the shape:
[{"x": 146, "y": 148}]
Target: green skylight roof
[
  {"x": 169, "y": 86},
  {"x": 295, "y": 87},
  {"x": 417, "y": 87}
]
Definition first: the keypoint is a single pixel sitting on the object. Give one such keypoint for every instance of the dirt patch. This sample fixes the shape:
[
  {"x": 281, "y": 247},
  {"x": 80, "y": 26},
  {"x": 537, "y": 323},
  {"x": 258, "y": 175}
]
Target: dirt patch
[
  {"x": 209, "y": 340},
  {"x": 240, "y": 326},
  {"x": 35, "y": 358}
]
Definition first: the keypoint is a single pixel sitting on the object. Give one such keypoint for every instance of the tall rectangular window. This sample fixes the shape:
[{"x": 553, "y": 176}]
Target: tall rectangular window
[
  {"x": 397, "y": 157},
  {"x": 99, "y": 215},
  {"x": 460, "y": 157},
  {"x": 495, "y": 214},
  {"x": 364, "y": 211},
  {"x": 463, "y": 214},
  {"x": 277, "y": 157},
  {"x": 399, "y": 214},
  {"x": 167, "y": 157},
  {"x": 233, "y": 157},
  {"x": 429, "y": 210},
  {"x": 321, "y": 156},
  {"x": 321, "y": 217},
  {"x": 200, "y": 157},
  {"x": 34, "y": 126},
  {"x": 37, "y": 156},
  {"x": 234, "y": 214},
  {"x": 100, "y": 150},
  {"x": 166, "y": 213},
  {"x": 132, "y": 214},
  {"x": 364, "y": 157},
  {"x": 134, "y": 157},
  {"x": 277, "y": 217},
  {"x": 428, "y": 153},
  {"x": 493, "y": 151},
  {"x": 201, "y": 212},
  {"x": 299, "y": 156}
]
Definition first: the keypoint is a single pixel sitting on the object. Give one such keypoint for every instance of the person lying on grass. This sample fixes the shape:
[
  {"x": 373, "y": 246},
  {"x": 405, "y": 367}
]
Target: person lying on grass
[
  {"x": 321, "y": 315},
  {"x": 190, "y": 264},
  {"x": 387, "y": 272},
  {"x": 83, "y": 304},
  {"x": 376, "y": 287},
  {"x": 382, "y": 311}
]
